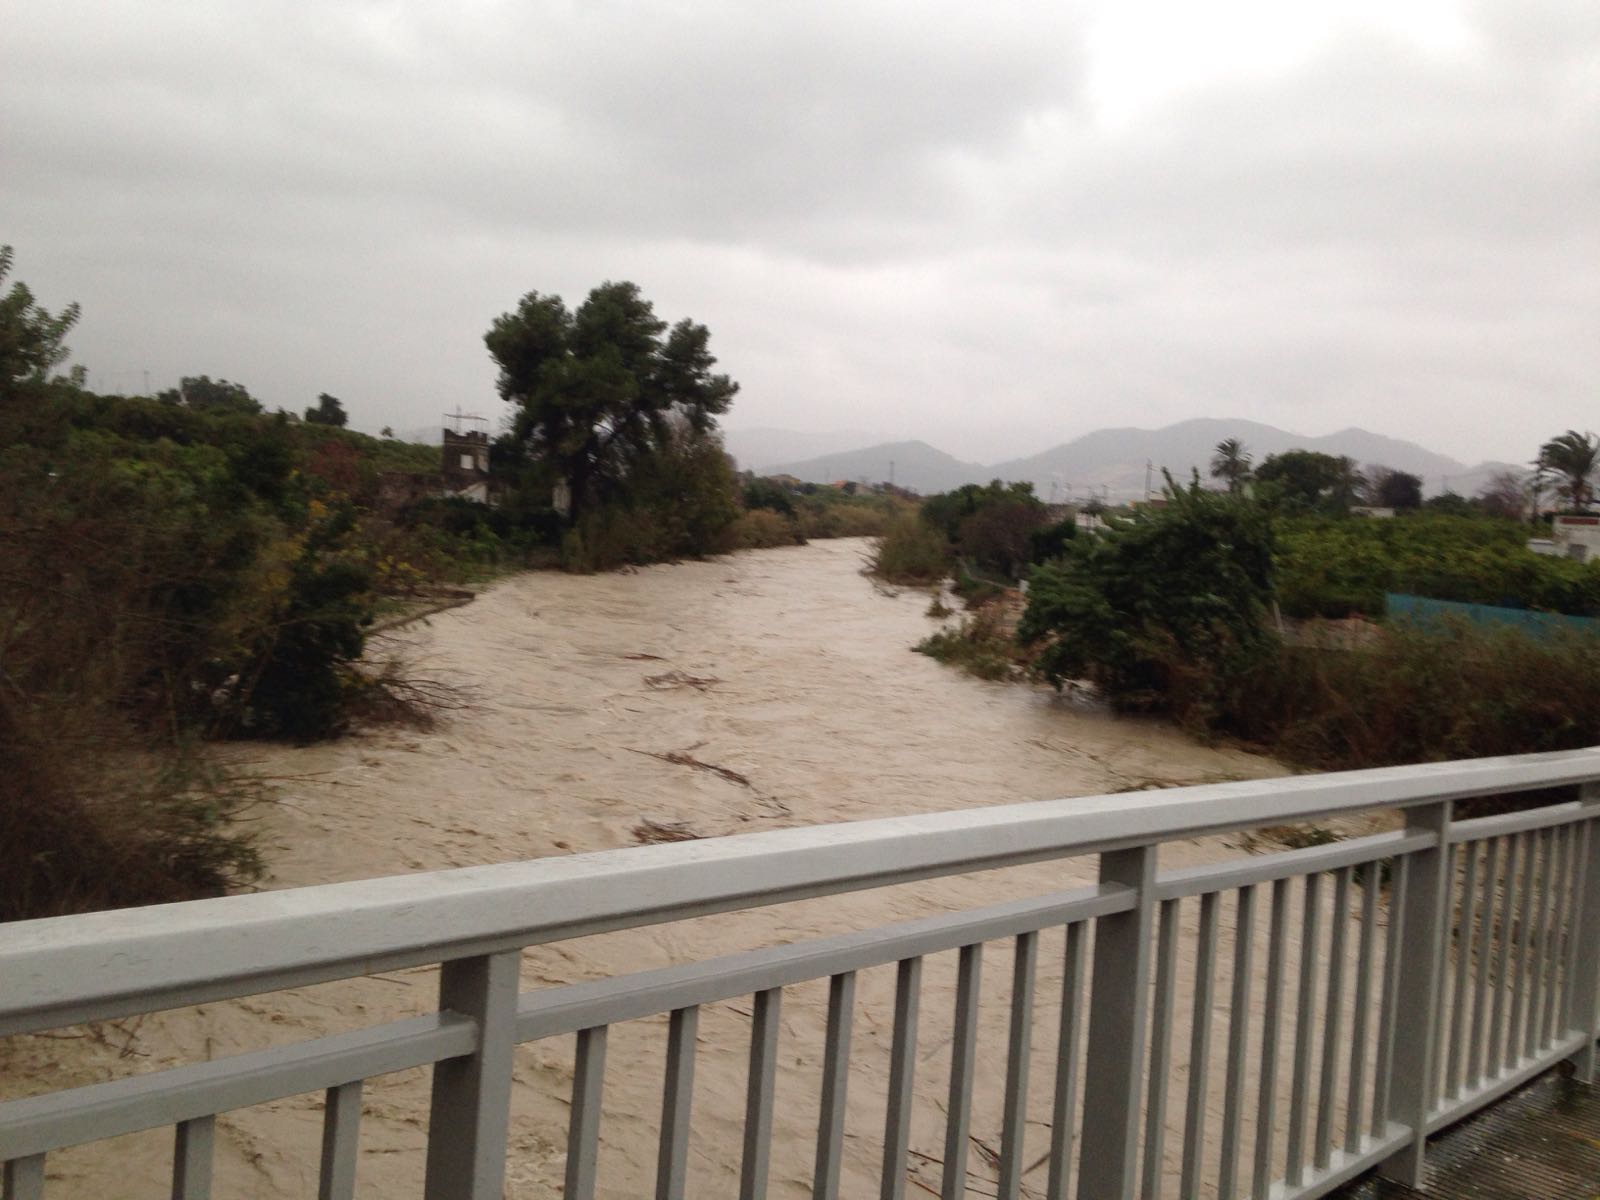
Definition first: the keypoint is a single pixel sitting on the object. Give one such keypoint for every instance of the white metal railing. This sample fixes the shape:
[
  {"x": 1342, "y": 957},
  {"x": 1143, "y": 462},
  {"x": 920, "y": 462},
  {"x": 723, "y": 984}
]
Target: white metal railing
[{"x": 1436, "y": 967}]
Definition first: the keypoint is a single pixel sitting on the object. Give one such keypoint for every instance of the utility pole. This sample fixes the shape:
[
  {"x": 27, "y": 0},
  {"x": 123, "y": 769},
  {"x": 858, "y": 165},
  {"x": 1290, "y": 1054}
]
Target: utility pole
[
  {"x": 891, "y": 472},
  {"x": 1148, "y": 468}
]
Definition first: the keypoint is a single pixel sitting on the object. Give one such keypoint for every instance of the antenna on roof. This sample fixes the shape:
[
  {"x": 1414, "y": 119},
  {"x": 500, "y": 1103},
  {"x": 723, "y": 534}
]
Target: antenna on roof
[{"x": 455, "y": 421}]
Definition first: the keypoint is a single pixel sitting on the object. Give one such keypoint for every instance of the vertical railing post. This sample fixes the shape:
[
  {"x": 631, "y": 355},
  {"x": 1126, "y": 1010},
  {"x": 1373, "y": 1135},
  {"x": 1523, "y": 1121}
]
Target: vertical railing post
[
  {"x": 470, "y": 1109},
  {"x": 1583, "y": 988},
  {"x": 1119, "y": 1001},
  {"x": 1422, "y": 918}
]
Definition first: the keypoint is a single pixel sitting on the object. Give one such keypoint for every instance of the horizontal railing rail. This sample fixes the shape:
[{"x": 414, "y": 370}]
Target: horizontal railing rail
[
  {"x": 1432, "y": 969},
  {"x": 628, "y": 997},
  {"x": 58, "y": 1119},
  {"x": 60, "y": 971}
]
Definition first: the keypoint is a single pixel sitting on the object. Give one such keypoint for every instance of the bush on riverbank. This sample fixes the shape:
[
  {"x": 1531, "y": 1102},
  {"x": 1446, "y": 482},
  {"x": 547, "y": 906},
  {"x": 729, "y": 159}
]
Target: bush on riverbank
[
  {"x": 911, "y": 551},
  {"x": 760, "y": 528},
  {"x": 680, "y": 503},
  {"x": 169, "y": 574},
  {"x": 126, "y": 588},
  {"x": 997, "y": 527},
  {"x": 1461, "y": 691},
  {"x": 1169, "y": 612},
  {"x": 169, "y": 577},
  {"x": 980, "y": 644},
  {"x": 1169, "y": 604},
  {"x": 831, "y": 513},
  {"x": 94, "y": 816}
]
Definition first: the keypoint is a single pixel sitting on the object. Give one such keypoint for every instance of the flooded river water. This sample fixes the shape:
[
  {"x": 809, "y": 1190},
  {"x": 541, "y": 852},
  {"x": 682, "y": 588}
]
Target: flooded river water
[{"x": 786, "y": 667}]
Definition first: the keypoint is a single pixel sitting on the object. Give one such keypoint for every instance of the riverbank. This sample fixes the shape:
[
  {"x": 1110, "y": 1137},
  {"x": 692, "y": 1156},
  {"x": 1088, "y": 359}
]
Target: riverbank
[{"x": 597, "y": 703}]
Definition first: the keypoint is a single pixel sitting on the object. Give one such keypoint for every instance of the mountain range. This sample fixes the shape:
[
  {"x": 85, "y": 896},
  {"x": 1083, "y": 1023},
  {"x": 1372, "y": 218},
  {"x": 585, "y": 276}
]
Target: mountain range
[{"x": 1118, "y": 464}]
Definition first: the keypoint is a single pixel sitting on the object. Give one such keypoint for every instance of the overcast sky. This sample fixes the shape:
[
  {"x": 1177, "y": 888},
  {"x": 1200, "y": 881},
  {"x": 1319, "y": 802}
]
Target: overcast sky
[{"x": 992, "y": 226}]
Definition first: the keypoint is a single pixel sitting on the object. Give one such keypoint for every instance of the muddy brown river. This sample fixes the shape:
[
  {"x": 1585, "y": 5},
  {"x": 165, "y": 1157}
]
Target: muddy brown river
[{"x": 787, "y": 668}]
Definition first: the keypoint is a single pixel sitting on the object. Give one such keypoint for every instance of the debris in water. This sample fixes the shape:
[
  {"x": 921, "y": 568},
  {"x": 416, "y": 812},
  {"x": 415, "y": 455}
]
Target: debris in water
[
  {"x": 673, "y": 680},
  {"x": 654, "y": 832},
  {"x": 688, "y": 760}
]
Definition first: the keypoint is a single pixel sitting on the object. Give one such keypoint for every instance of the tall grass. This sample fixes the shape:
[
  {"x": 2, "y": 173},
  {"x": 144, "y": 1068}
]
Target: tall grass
[
  {"x": 1414, "y": 695},
  {"x": 910, "y": 551},
  {"x": 830, "y": 514},
  {"x": 980, "y": 645},
  {"x": 90, "y": 817},
  {"x": 758, "y": 528}
]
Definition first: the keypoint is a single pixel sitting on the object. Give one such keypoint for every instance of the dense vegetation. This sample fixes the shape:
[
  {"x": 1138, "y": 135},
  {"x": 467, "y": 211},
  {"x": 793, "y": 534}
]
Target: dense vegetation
[
  {"x": 170, "y": 576},
  {"x": 1339, "y": 567},
  {"x": 191, "y": 567},
  {"x": 996, "y": 530},
  {"x": 1416, "y": 695},
  {"x": 1154, "y": 608},
  {"x": 617, "y": 414},
  {"x": 1178, "y": 608}
]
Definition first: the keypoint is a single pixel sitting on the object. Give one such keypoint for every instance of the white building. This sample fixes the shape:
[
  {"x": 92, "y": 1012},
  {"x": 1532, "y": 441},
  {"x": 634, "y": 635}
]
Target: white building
[{"x": 1576, "y": 537}]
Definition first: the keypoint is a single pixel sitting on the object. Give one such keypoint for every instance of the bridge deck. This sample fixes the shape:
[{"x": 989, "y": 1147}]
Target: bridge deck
[{"x": 1541, "y": 1143}]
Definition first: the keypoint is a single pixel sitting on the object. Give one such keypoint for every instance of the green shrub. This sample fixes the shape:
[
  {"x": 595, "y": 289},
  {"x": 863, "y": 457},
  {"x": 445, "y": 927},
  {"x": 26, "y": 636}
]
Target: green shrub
[
  {"x": 975, "y": 591},
  {"x": 999, "y": 536},
  {"x": 612, "y": 537},
  {"x": 1050, "y": 541},
  {"x": 92, "y": 815},
  {"x": 1174, "y": 599},
  {"x": 758, "y": 528},
  {"x": 979, "y": 645},
  {"x": 910, "y": 551},
  {"x": 1463, "y": 691},
  {"x": 993, "y": 525},
  {"x": 124, "y": 577},
  {"x": 1340, "y": 567},
  {"x": 761, "y": 492},
  {"x": 827, "y": 513},
  {"x": 293, "y": 680},
  {"x": 680, "y": 503}
]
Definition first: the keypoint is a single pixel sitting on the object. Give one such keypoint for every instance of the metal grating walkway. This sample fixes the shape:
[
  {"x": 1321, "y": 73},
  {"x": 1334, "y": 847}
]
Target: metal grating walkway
[{"x": 1541, "y": 1143}]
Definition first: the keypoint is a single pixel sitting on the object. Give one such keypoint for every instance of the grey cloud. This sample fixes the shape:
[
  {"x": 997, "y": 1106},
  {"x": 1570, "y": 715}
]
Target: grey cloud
[{"x": 891, "y": 215}]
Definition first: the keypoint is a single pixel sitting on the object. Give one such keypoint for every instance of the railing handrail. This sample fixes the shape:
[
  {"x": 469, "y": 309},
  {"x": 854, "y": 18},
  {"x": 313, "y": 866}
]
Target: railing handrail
[{"x": 57, "y": 971}]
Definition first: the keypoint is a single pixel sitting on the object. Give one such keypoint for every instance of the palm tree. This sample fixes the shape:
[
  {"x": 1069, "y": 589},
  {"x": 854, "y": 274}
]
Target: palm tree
[
  {"x": 1231, "y": 462},
  {"x": 1571, "y": 460}
]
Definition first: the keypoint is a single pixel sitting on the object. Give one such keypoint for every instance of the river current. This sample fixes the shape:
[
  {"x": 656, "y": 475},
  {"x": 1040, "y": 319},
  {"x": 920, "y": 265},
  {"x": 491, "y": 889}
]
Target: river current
[{"x": 597, "y": 705}]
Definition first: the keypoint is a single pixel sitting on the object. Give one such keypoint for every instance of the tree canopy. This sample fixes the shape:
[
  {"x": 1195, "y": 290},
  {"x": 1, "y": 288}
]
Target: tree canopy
[
  {"x": 1506, "y": 495},
  {"x": 30, "y": 337},
  {"x": 204, "y": 394},
  {"x": 1231, "y": 462},
  {"x": 599, "y": 390},
  {"x": 1308, "y": 480},
  {"x": 1388, "y": 488},
  {"x": 327, "y": 411},
  {"x": 1571, "y": 461}
]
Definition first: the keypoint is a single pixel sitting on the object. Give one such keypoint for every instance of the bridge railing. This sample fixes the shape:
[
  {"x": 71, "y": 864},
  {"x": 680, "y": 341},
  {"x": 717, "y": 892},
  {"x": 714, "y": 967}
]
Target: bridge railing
[{"x": 1272, "y": 1025}]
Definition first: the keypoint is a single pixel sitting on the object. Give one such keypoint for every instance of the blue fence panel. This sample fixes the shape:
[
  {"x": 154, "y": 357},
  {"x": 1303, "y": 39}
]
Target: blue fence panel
[{"x": 1420, "y": 610}]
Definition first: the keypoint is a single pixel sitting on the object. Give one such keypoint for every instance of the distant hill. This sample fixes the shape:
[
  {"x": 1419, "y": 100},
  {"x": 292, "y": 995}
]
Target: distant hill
[
  {"x": 1113, "y": 461},
  {"x": 910, "y": 464},
  {"x": 759, "y": 449}
]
